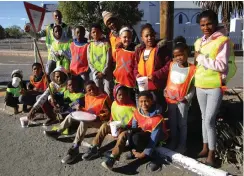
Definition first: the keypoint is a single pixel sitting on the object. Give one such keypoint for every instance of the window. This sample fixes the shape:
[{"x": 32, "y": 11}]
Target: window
[{"x": 180, "y": 19}]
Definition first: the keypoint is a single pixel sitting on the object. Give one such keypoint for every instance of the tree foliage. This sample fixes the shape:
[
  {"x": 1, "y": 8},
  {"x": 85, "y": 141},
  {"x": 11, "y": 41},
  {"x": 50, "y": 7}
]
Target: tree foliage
[
  {"x": 228, "y": 8},
  {"x": 2, "y": 32},
  {"x": 13, "y": 32},
  {"x": 89, "y": 12}
]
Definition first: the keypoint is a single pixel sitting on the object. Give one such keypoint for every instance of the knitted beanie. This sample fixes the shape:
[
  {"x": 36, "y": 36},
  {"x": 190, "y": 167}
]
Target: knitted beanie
[{"x": 106, "y": 16}]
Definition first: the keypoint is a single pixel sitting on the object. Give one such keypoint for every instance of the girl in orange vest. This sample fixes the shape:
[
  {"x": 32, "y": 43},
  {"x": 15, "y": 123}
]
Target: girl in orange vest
[
  {"x": 153, "y": 61},
  {"x": 79, "y": 64},
  {"x": 178, "y": 93},
  {"x": 124, "y": 57}
]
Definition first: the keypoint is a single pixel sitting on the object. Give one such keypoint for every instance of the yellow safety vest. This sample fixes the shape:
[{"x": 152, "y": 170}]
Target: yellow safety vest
[
  {"x": 98, "y": 55},
  {"x": 123, "y": 113},
  {"x": 73, "y": 96},
  {"x": 207, "y": 78}
]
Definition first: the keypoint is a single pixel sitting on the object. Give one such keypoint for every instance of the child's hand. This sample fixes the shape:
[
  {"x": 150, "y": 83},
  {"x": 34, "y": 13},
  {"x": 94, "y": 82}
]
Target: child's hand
[
  {"x": 150, "y": 77},
  {"x": 22, "y": 91},
  {"x": 138, "y": 154},
  {"x": 100, "y": 75},
  {"x": 53, "y": 102},
  {"x": 138, "y": 76}
]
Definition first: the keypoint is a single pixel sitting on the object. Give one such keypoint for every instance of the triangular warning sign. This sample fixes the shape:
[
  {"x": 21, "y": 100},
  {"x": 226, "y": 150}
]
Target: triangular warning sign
[{"x": 36, "y": 15}]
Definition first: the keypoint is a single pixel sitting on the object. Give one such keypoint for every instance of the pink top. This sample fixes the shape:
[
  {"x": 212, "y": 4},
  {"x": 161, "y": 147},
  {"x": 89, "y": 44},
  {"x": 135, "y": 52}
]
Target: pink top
[{"x": 220, "y": 64}]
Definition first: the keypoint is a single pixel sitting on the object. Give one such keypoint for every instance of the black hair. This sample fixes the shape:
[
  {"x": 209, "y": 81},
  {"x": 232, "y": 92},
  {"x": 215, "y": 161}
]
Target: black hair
[
  {"x": 36, "y": 64},
  {"x": 81, "y": 28},
  {"x": 58, "y": 11},
  {"x": 180, "y": 43},
  {"x": 147, "y": 94},
  {"x": 147, "y": 26},
  {"x": 89, "y": 83},
  {"x": 123, "y": 88},
  {"x": 210, "y": 14},
  {"x": 57, "y": 26},
  {"x": 96, "y": 26}
]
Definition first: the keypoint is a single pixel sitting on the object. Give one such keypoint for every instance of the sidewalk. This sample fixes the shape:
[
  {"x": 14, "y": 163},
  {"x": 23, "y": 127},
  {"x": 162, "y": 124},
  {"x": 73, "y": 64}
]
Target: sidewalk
[{"x": 20, "y": 53}]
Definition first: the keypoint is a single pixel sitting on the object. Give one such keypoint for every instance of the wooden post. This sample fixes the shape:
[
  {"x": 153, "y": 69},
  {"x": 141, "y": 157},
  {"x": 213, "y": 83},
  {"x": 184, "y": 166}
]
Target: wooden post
[{"x": 167, "y": 20}]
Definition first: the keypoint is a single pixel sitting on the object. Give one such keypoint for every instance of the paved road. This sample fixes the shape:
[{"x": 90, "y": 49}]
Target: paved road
[{"x": 9, "y": 63}]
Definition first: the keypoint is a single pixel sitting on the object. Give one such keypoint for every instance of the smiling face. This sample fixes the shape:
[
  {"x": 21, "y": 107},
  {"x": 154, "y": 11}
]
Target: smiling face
[
  {"x": 208, "y": 27},
  {"x": 126, "y": 38},
  {"x": 57, "y": 16},
  {"x": 112, "y": 24},
  {"x": 145, "y": 103},
  {"x": 148, "y": 37},
  {"x": 180, "y": 56}
]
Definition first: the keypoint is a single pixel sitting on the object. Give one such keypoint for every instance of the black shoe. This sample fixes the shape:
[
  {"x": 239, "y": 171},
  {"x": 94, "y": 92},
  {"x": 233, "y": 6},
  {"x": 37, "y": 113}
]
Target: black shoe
[
  {"x": 130, "y": 156},
  {"x": 91, "y": 153},
  {"x": 108, "y": 164},
  {"x": 25, "y": 110},
  {"x": 53, "y": 134},
  {"x": 16, "y": 109},
  {"x": 49, "y": 122},
  {"x": 71, "y": 155}
]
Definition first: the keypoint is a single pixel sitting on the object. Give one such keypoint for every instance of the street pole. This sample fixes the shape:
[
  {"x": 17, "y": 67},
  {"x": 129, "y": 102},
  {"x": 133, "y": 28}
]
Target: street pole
[{"x": 167, "y": 20}]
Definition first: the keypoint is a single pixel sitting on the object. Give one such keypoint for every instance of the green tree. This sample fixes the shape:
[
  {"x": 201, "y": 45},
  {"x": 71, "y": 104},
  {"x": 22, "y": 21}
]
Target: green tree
[
  {"x": 228, "y": 8},
  {"x": 13, "y": 32},
  {"x": 2, "y": 32},
  {"x": 88, "y": 12}
]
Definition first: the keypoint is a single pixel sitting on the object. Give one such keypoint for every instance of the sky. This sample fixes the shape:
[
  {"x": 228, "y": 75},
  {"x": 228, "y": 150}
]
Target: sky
[{"x": 13, "y": 12}]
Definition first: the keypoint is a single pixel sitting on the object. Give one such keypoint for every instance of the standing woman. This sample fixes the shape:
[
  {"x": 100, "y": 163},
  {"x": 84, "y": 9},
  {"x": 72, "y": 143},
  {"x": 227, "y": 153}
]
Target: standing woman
[{"x": 212, "y": 53}]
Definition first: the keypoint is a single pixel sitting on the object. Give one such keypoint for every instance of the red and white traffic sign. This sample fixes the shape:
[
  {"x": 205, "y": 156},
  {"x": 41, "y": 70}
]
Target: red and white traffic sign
[{"x": 36, "y": 15}]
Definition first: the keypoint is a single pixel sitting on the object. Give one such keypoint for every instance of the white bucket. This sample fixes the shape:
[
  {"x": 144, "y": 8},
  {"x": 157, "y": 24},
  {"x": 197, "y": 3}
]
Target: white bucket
[
  {"x": 142, "y": 83},
  {"x": 24, "y": 121},
  {"x": 114, "y": 126}
]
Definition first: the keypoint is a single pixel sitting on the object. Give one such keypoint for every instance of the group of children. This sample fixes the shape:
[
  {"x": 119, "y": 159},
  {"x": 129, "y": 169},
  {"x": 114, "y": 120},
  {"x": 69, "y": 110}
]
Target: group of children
[{"x": 106, "y": 70}]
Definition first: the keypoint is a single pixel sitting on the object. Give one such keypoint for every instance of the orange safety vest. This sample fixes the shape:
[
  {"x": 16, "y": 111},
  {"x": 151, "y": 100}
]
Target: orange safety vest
[
  {"x": 176, "y": 92},
  {"x": 79, "y": 63},
  {"x": 113, "y": 41},
  {"x": 147, "y": 123},
  {"x": 123, "y": 72},
  {"x": 42, "y": 84},
  {"x": 146, "y": 68},
  {"x": 94, "y": 104}
]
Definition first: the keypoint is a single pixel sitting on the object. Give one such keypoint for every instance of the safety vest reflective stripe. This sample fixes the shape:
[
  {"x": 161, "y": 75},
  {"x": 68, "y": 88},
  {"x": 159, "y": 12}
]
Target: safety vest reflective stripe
[
  {"x": 146, "y": 68},
  {"x": 79, "y": 63},
  {"x": 42, "y": 84},
  {"x": 150, "y": 123},
  {"x": 123, "y": 113},
  {"x": 14, "y": 91},
  {"x": 98, "y": 55},
  {"x": 207, "y": 78},
  {"x": 124, "y": 69},
  {"x": 94, "y": 104},
  {"x": 61, "y": 89},
  {"x": 176, "y": 92}
]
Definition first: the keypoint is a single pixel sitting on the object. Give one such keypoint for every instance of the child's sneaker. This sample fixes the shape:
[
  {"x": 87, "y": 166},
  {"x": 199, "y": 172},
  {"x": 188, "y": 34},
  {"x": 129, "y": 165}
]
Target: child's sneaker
[
  {"x": 53, "y": 134},
  {"x": 108, "y": 164},
  {"x": 91, "y": 153},
  {"x": 72, "y": 153}
]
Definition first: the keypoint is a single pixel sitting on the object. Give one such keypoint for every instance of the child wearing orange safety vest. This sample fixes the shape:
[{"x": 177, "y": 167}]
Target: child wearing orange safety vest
[
  {"x": 178, "y": 93},
  {"x": 124, "y": 57},
  {"x": 148, "y": 129},
  {"x": 122, "y": 110},
  {"x": 79, "y": 65}
]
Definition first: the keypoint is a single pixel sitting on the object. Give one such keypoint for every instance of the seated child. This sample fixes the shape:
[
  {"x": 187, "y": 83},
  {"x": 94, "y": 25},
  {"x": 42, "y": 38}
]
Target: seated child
[
  {"x": 59, "y": 78},
  {"x": 14, "y": 89},
  {"x": 124, "y": 57},
  {"x": 99, "y": 60},
  {"x": 148, "y": 129},
  {"x": 96, "y": 103},
  {"x": 37, "y": 85},
  {"x": 122, "y": 110},
  {"x": 178, "y": 93},
  {"x": 60, "y": 49},
  {"x": 79, "y": 64}
]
